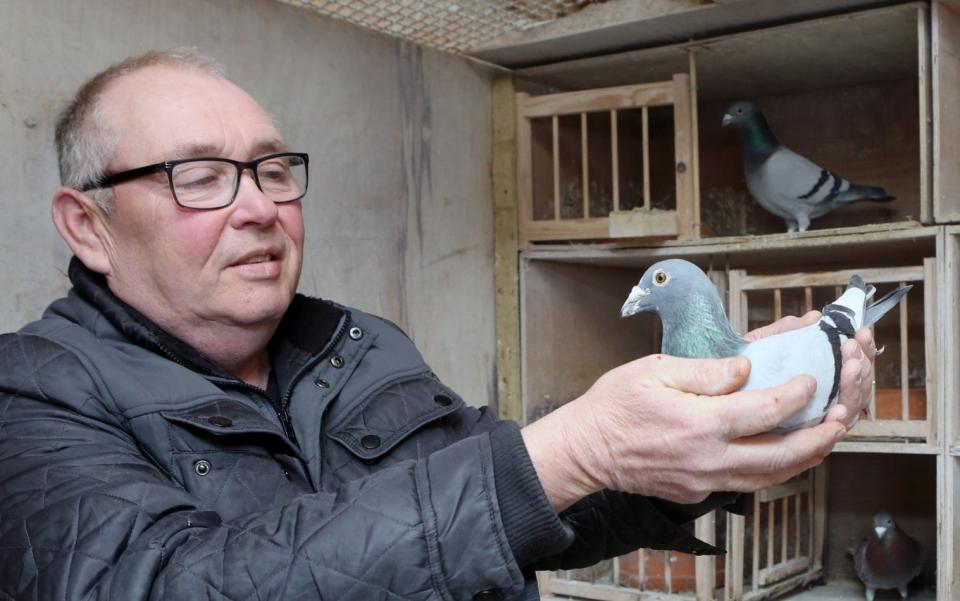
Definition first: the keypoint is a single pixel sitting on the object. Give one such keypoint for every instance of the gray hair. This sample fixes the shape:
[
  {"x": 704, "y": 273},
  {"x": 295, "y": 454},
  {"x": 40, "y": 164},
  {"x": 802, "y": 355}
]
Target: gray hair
[{"x": 85, "y": 141}]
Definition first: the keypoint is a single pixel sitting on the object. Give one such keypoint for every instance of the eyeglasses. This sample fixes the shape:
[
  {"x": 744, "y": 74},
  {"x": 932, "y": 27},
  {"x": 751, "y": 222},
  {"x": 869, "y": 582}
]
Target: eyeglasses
[{"x": 208, "y": 183}]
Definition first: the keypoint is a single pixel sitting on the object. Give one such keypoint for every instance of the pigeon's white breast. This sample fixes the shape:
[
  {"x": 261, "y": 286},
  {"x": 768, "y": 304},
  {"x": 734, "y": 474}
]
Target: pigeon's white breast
[{"x": 776, "y": 359}]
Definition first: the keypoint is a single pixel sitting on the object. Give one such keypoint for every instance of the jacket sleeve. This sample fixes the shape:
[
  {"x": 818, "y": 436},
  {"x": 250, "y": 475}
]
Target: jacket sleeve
[
  {"x": 86, "y": 514},
  {"x": 603, "y": 525}
]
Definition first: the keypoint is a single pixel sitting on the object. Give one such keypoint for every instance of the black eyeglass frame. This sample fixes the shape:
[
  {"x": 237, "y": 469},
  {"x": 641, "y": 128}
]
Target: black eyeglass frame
[{"x": 168, "y": 166}]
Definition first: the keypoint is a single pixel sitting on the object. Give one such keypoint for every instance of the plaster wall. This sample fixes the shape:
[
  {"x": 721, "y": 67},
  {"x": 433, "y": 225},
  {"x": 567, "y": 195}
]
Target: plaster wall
[{"x": 400, "y": 214}]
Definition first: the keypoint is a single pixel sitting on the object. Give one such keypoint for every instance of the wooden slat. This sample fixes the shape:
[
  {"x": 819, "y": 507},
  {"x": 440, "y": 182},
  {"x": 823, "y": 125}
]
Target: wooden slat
[
  {"x": 556, "y": 167},
  {"x": 755, "y": 582},
  {"x": 796, "y": 524},
  {"x": 926, "y": 128},
  {"x": 945, "y": 51},
  {"x": 777, "y": 304},
  {"x": 781, "y": 588},
  {"x": 694, "y": 139},
  {"x": 886, "y": 447},
  {"x": 734, "y": 562},
  {"x": 811, "y": 512},
  {"x": 879, "y": 275},
  {"x": 784, "y": 521},
  {"x": 683, "y": 151},
  {"x": 642, "y": 568},
  {"x": 779, "y": 491},
  {"x": 771, "y": 524},
  {"x": 705, "y": 528},
  {"x": 890, "y": 429},
  {"x": 819, "y": 521},
  {"x": 601, "y": 99},
  {"x": 568, "y": 229},
  {"x": 667, "y": 571},
  {"x": 932, "y": 355},
  {"x": 904, "y": 360},
  {"x": 615, "y": 159},
  {"x": 524, "y": 183},
  {"x": 585, "y": 166},
  {"x": 645, "y": 135},
  {"x": 784, "y": 570}
]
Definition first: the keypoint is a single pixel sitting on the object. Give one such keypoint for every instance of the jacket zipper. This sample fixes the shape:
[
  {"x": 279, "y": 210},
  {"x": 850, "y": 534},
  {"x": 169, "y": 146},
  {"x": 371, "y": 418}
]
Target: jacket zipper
[{"x": 282, "y": 410}]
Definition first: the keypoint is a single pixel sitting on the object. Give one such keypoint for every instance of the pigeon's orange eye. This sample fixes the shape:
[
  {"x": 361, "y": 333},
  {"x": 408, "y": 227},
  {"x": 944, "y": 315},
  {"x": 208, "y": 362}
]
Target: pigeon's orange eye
[{"x": 660, "y": 278}]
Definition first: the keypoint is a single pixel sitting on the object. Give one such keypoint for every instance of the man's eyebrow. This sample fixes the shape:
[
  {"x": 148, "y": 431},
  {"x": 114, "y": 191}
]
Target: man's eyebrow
[
  {"x": 269, "y": 147},
  {"x": 191, "y": 151}
]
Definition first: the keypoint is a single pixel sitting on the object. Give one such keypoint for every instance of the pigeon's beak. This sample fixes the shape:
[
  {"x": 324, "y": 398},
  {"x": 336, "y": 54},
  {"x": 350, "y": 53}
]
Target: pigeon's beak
[
  {"x": 634, "y": 302},
  {"x": 727, "y": 120},
  {"x": 880, "y": 530}
]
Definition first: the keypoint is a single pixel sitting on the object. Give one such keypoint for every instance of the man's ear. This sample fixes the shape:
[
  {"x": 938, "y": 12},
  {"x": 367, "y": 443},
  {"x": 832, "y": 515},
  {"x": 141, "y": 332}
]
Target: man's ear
[{"x": 82, "y": 225}]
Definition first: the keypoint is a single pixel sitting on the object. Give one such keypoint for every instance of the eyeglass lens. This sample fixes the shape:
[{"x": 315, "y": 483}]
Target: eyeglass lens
[{"x": 208, "y": 183}]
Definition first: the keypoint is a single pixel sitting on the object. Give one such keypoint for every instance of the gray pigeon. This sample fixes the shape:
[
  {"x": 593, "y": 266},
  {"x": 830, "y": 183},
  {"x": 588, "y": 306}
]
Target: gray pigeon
[
  {"x": 891, "y": 559},
  {"x": 785, "y": 183},
  {"x": 694, "y": 325}
]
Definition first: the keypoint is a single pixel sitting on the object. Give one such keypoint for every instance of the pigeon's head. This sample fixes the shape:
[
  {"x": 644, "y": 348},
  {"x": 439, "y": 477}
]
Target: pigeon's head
[
  {"x": 740, "y": 113},
  {"x": 664, "y": 284},
  {"x": 883, "y": 524}
]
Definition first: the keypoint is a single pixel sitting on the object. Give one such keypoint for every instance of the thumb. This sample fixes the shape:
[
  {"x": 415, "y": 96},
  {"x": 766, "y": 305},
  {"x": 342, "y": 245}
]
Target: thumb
[{"x": 710, "y": 377}]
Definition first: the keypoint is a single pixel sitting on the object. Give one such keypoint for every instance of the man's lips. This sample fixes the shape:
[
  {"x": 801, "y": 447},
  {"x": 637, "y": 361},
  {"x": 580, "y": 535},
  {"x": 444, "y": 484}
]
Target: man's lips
[{"x": 259, "y": 256}]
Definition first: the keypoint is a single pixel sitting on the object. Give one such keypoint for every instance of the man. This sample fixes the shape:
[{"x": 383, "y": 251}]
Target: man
[{"x": 184, "y": 426}]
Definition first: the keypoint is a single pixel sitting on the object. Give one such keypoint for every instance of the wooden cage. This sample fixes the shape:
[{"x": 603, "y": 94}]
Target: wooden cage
[
  {"x": 585, "y": 163},
  {"x": 871, "y": 95},
  {"x": 903, "y": 405}
]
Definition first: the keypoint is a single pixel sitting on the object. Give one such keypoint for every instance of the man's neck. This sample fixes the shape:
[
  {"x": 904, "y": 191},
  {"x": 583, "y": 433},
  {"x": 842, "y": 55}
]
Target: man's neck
[{"x": 240, "y": 351}]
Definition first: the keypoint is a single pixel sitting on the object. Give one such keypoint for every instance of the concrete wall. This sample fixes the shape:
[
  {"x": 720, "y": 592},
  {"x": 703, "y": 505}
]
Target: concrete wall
[{"x": 399, "y": 218}]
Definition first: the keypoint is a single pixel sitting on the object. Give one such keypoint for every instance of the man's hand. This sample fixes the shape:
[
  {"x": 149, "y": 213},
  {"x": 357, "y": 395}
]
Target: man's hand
[
  {"x": 856, "y": 375},
  {"x": 676, "y": 429}
]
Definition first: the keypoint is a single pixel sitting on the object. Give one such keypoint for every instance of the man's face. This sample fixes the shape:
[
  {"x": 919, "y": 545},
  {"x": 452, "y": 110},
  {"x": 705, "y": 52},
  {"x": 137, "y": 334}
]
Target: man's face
[{"x": 185, "y": 268}]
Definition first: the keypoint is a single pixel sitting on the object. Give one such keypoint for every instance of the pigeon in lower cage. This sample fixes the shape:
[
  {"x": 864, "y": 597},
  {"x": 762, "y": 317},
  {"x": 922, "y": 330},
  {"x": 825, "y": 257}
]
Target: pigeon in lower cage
[
  {"x": 888, "y": 559},
  {"x": 785, "y": 183},
  {"x": 694, "y": 325}
]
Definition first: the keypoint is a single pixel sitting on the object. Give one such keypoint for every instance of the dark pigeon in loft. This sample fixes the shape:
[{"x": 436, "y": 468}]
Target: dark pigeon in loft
[
  {"x": 888, "y": 559},
  {"x": 785, "y": 183}
]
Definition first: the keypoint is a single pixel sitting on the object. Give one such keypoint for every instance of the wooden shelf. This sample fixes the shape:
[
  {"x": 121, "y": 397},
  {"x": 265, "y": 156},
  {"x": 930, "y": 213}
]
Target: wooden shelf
[
  {"x": 900, "y": 448},
  {"x": 880, "y": 243},
  {"x": 853, "y": 591}
]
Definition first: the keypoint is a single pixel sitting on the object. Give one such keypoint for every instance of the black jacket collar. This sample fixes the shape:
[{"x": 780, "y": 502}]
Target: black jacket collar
[{"x": 306, "y": 328}]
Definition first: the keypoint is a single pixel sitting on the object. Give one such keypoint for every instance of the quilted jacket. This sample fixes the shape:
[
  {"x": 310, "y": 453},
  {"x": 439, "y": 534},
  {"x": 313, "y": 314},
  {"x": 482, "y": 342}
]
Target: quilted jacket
[{"x": 132, "y": 468}]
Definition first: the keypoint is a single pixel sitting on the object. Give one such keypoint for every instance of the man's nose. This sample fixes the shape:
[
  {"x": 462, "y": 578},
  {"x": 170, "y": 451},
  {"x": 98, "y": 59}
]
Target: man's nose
[{"x": 252, "y": 205}]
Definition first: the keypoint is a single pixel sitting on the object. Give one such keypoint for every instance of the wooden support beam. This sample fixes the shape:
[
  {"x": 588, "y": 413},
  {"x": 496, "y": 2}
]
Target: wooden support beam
[{"x": 506, "y": 249}]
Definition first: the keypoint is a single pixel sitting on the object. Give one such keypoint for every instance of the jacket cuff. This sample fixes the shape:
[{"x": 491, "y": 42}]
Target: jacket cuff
[
  {"x": 532, "y": 526},
  {"x": 682, "y": 514}
]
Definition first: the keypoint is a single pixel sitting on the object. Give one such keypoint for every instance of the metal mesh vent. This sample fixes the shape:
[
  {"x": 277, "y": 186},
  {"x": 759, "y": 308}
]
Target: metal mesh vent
[{"x": 451, "y": 25}]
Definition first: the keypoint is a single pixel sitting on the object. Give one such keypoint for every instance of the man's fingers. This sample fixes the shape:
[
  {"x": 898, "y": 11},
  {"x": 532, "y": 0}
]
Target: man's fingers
[
  {"x": 784, "y": 325},
  {"x": 774, "y": 453},
  {"x": 864, "y": 338},
  {"x": 840, "y": 414},
  {"x": 710, "y": 377},
  {"x": 756, "y": 411}
]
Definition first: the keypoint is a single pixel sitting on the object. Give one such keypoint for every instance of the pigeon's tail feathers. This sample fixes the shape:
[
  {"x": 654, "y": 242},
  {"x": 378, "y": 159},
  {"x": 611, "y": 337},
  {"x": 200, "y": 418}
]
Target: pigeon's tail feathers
[
  {"x": 856, "y": 193},
  {"x": 880, "y": 308},
  {"x": 857, "y": 282}
]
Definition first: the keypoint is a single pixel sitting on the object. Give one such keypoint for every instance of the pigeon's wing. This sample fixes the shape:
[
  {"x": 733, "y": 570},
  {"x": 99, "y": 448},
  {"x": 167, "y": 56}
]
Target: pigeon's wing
[
  {"x": 797, "y": 181},
  {"x": 776, "y": 359}
]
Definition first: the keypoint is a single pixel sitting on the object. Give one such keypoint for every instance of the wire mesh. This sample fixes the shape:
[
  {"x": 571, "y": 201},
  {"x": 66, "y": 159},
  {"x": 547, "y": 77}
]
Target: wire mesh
[{"x": 450, "y": 25}]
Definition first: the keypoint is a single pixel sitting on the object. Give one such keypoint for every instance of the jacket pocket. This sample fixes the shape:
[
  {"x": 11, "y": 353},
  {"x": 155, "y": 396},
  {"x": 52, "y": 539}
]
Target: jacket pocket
[
  {"x": 224, "y": 424},
  {"x": 393, "y": 413}
]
